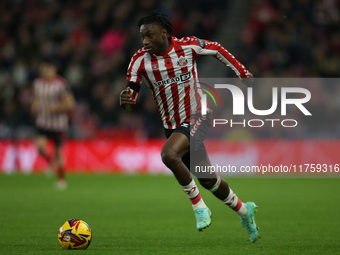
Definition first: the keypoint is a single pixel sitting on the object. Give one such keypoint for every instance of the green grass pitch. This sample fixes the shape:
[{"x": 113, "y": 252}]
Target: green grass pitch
[{"x": 139, "y": 214}]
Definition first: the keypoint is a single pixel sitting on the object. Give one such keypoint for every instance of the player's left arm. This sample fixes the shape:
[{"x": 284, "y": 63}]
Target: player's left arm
[
  {"x": 205, "y": 47},
  {"x": 66, "y": 103}
]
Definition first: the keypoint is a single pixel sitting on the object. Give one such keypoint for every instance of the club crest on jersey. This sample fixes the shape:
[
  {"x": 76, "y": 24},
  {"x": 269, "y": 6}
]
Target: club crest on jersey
[
  {"x": 155, "y": 67},
  {"x": 182, "y": 61}
]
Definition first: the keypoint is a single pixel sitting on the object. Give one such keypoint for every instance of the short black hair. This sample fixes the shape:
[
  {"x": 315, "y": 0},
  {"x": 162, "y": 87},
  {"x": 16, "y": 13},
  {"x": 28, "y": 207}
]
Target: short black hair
[{"x": 157, "y": 18}]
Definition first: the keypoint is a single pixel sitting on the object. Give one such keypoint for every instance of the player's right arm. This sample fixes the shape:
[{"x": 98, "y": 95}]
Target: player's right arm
[{"x": 129, "y": 95}]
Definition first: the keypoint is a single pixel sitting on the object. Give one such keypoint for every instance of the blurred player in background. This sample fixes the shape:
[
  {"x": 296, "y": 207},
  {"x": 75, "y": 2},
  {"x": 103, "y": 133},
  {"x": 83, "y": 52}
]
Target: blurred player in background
[
  {"x": 52, "y": 101},
  {"x": 167, "y": 65}
]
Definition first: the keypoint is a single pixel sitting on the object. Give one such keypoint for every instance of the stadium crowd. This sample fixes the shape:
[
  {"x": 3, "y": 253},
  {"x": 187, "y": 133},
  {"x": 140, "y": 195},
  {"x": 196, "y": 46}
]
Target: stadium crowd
[
  {"x": 294, "y": 39},
  {"x": 93, "y": 41}
]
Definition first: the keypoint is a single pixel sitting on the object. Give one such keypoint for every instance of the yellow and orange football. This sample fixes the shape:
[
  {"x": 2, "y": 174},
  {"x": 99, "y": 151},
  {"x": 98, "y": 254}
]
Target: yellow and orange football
[{"x": 75, "y": 234}]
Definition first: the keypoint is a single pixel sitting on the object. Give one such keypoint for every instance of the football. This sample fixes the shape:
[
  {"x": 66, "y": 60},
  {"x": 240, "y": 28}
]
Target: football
[{"x": 75, "y": 234}]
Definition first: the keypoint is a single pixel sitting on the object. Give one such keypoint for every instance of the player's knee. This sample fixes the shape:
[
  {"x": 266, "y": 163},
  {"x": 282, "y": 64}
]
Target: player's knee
[
  {"x": 169, "y": 157},
  {"x": 207, "y": 183}
]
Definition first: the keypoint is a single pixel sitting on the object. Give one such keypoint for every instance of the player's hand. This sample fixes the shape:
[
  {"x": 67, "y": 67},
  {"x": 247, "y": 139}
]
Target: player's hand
[
  {"x": 51, "y": 108},
  {"x": 248, "y": 81},
  {"x": 126, "y": 102},
  {"x": 125, "y": 97}
]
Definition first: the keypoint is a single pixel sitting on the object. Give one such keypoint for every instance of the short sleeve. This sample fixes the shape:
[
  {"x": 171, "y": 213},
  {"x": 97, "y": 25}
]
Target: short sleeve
[{"x": 135, "y": 69}]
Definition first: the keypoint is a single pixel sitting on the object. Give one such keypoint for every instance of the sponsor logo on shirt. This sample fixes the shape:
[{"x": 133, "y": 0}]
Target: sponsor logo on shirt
[
  {"x": 200, "y": 42},
  {"x": 178, "y": 79}
]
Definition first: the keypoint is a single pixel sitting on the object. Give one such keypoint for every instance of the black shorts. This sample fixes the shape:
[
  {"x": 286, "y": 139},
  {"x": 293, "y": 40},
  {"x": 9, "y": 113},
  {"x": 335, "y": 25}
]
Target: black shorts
[
  {"x": 196, "y": 130},
  {"x": 57, "y": 137}
]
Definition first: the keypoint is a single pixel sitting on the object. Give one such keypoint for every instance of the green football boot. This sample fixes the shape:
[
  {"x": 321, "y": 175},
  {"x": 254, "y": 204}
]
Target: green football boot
[
  {"x": 203, "y": 218},
  {"x": 249, "y": 221}
]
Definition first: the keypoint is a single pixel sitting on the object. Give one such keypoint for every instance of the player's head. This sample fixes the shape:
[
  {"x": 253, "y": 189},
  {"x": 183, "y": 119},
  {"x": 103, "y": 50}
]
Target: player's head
[
  {"x": 155, "y": 30},
  {"x": 47, "y": 69}
]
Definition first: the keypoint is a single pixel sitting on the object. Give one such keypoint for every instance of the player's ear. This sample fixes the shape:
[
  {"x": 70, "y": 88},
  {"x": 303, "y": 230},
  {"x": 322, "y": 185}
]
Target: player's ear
[{"x": 164, "y": 33}]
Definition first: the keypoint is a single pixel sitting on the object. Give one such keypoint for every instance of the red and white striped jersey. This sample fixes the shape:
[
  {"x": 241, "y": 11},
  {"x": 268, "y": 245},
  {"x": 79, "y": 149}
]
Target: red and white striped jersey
[
  {"x": 50, "y": 93},
  {"x": 172, "y": 76}
]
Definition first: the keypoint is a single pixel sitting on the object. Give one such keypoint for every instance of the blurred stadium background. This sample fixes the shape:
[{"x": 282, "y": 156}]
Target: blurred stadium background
[{"x": 93, "y": 41}]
